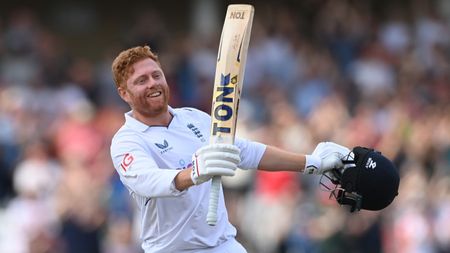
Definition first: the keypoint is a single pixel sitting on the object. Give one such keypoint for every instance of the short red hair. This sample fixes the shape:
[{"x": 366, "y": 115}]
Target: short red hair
[{"x": 122, "y": 65}]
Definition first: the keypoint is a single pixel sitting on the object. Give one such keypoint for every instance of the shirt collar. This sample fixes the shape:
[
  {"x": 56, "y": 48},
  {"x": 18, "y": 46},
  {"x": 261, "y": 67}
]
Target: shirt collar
[{"x": 138, "y": 125}]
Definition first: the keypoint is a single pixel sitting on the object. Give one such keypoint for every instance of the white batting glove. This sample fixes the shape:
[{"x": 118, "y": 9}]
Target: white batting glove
[
  {"x": 326, "y": 156},
  {"x": 214, "y": 160}
]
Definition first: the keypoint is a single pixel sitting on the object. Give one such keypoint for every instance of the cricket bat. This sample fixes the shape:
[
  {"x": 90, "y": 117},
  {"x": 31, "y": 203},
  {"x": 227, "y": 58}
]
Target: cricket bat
[{"x": 228, "y": 81}]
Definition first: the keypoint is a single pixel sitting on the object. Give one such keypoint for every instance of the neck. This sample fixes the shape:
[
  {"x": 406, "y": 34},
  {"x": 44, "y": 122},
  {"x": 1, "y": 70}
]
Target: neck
[{"x": 161, "y": 119}]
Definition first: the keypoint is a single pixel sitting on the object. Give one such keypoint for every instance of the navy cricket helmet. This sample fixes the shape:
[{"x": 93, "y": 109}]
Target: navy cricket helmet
[{"x": 368, "y": 180}]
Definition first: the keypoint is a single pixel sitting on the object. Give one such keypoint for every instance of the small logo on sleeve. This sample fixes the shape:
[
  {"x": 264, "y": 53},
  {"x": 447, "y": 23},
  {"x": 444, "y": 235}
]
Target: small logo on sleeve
[{"x": 126, "y": 162}]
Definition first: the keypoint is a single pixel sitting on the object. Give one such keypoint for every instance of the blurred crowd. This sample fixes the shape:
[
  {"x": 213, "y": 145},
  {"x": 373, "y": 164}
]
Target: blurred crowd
[{"x": 338, "y": 70}]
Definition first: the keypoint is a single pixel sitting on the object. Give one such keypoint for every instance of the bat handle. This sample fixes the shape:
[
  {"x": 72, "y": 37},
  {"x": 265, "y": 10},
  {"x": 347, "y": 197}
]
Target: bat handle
[{"x": 216, "y": 184}]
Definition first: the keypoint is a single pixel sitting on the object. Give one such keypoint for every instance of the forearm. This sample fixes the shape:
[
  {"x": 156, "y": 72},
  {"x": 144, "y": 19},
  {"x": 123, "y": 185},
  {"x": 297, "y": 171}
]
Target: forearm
[
  {"x": 275, "y": 159},
  {"x": 151, "y": 182},
  {"x": 183, "y": 179}
]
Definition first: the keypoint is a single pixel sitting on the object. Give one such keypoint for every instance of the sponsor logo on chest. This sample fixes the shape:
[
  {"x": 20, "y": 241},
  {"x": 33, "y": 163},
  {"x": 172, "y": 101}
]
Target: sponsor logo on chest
[{"x": 164, "y": 147}]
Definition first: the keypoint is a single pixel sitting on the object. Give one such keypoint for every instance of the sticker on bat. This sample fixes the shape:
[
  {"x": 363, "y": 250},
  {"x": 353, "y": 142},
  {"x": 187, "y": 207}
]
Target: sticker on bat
[{"x": 223, "y": 111}]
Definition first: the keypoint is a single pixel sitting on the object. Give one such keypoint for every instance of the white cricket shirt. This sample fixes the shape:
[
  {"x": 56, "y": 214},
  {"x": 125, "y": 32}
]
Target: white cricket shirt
[{"x": 148, "y": 158}]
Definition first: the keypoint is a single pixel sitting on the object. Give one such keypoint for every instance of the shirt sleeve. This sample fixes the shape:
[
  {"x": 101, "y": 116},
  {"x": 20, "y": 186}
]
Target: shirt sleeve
[
  {"x": 251, "y": 153},
  {"x": 139, "y": 172}
]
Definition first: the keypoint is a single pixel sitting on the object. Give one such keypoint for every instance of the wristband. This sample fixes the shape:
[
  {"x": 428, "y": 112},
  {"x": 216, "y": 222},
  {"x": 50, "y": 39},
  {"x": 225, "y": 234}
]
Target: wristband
[{"x": 312, "y": 164}]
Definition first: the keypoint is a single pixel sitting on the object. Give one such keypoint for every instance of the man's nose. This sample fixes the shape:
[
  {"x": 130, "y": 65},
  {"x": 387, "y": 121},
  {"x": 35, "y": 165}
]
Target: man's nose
[{"x": 151, "y": 82}]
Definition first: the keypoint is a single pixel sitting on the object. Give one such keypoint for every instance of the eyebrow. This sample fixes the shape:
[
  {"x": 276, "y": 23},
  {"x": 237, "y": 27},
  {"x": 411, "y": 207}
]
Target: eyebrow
[{"x": 157, "y": 71}]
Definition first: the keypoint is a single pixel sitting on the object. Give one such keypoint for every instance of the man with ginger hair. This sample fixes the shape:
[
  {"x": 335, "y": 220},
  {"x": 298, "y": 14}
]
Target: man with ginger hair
[{"x": 163, "y": 158}]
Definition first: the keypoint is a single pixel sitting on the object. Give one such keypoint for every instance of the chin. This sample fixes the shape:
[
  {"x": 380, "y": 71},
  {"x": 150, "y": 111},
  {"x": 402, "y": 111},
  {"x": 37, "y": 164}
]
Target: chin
[{"x": 157, "y": 110}]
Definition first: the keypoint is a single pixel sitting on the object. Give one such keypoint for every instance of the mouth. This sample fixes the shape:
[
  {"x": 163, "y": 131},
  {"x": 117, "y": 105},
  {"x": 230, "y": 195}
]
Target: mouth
[{"x": 154, "y": 94}]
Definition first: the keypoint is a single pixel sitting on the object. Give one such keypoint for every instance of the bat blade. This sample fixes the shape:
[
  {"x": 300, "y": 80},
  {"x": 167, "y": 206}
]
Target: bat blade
[{"x": 231, "y": 59}]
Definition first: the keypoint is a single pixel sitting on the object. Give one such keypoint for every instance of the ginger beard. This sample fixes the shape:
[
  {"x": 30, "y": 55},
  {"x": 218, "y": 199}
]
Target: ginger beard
[{"x": 152, "y": 102}]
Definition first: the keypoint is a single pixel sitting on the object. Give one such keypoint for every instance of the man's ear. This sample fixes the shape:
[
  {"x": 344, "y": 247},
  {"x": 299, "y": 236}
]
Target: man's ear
[{"x": 123, "y": 93}]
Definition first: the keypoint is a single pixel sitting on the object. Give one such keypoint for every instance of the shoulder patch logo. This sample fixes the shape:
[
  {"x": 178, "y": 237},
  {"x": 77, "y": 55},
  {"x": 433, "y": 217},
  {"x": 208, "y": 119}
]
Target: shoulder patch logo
[
  {"x": 126, "y": 162},
  {"x": 162, "y": 146}
]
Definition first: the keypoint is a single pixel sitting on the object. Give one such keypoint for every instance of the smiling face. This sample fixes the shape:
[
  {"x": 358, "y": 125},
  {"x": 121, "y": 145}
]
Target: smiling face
[{"x": 146, "y": 90}]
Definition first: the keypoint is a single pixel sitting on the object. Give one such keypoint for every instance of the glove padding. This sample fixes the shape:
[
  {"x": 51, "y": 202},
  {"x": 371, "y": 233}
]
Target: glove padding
[
  {"x": 326, "y": 156},
  {"x": 214, "y": 160}
]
